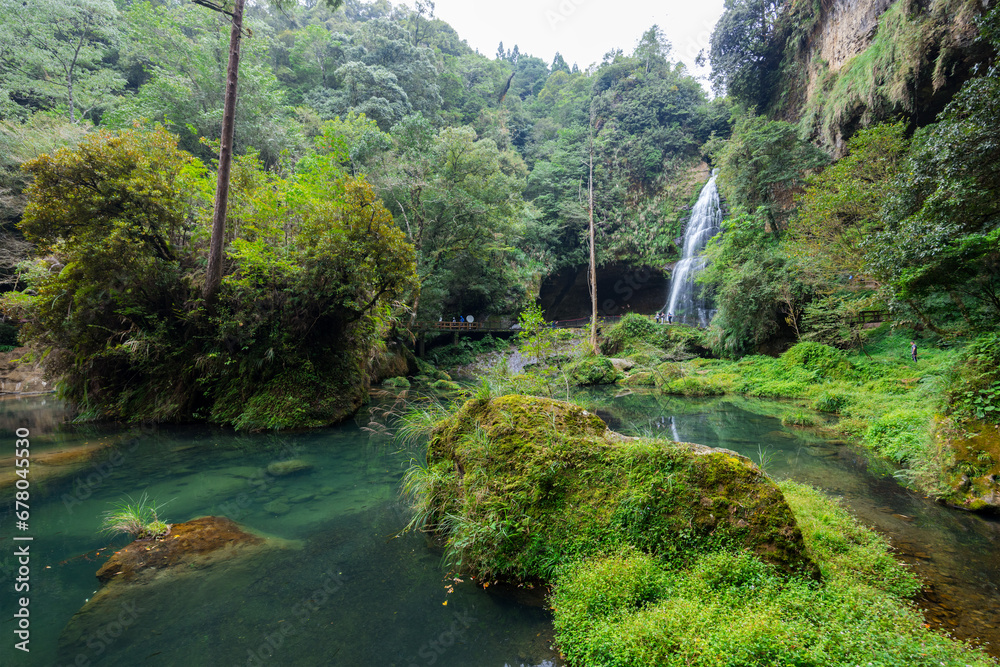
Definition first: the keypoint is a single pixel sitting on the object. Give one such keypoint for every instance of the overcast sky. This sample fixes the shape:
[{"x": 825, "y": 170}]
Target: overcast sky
[{"x": 582, "y": 30}]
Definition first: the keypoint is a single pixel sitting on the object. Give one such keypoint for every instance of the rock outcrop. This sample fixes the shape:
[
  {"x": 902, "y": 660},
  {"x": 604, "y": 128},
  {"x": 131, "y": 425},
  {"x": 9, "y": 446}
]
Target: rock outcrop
[
  {"x": 519, "y": 486},
  {"x": 21, "y": 377},
  {"x": 192, "y": 543}
]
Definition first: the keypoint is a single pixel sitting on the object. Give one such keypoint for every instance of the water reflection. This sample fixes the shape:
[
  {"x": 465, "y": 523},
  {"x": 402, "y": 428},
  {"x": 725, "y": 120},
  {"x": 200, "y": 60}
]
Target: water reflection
[
  {"x": 954, "y": 552},
  {"x": 385, "y": 605}
]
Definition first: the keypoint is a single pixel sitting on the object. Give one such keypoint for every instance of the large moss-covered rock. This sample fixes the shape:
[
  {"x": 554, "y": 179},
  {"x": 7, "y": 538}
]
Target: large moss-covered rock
[
  {"x": 520, "y": 486},
  {"x": 594, "y": 370}
]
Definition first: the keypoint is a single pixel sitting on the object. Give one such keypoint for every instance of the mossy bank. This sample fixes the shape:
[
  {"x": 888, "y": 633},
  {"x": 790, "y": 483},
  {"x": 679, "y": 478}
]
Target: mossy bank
[{"x": 661, "y": 552}]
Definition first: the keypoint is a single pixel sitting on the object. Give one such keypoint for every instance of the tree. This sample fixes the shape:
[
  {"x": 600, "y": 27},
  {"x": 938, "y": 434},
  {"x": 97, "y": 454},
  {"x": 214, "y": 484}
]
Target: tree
[
  {"x": 52, "y": 52},
  {"x": 316, "y": 265},
  {"x": 763, "y": 163},
  {"x": 840, "y": 209},
  {"x": 592, "y": 267},
  {"x": 213, "y": 274},
  {"x": 458, "y": 200},
  {"x": 745, "y": 52}
]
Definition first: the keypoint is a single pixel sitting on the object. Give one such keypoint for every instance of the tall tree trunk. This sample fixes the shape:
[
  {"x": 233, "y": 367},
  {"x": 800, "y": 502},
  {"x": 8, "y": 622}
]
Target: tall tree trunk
[
  {"x": 593, "y": 256},
  {"x": 213, "y": 276}
]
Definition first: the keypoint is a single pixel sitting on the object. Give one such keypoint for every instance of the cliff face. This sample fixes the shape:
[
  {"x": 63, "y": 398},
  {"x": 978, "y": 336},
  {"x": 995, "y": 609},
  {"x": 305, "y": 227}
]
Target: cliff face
[
  {"x": 845, "y": 30},
  {"x": 850, "y": 63}
]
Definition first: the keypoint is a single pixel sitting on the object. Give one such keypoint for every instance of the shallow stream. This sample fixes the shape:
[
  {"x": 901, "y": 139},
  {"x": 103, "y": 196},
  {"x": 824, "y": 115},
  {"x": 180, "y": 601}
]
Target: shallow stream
[{"x": 350, "y": 589}]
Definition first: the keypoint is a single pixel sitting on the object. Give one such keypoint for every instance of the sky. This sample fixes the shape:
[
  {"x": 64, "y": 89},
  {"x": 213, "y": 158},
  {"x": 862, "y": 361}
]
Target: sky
[{"x": 581, "y": 30}]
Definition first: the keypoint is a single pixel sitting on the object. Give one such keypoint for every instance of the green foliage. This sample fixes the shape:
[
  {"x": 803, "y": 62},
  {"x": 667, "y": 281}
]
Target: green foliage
[
  {"x": 630, "y": 329},
  {"x": 823, "y": 360},
  {"x": 729, "y": 608},
  {"x": 639, "y": 338},
  {"x": 457, "y": 198},
  {"x": 830, "y": 401},
  {"x": 941, "y": 236},
  {"x": 314, "y": 266},
  {"x": 763, "y": 163},
  {"x": 53, "y": 54},
  {"x": 536, "y": 334},
  {"x": 840, "y": 208},
  {"x": 745, "y": 53},
  {"x": 466, "y": 351},
  {"x": 974, "y": 386},
  {"x": 759, "y": 290},
  {"x": 179, "y": 53},
  {"x": 136, "y": 518},
  {"x": 593, "y": 370}
]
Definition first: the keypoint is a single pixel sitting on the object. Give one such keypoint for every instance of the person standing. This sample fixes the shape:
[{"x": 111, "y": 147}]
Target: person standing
[
  {"x": 670, "y": 318},
  {"x": 913, "y": 350}
]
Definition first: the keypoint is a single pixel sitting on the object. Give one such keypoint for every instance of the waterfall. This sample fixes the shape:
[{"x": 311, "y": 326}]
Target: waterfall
[{"x": 684, "y": 302}]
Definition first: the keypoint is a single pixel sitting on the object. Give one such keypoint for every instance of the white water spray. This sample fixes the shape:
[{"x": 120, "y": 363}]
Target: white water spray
[{"x": 685, "y": 302}]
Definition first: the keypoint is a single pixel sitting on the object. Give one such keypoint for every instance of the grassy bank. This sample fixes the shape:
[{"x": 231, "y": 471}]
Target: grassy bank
[
  {"x": 660, "y": 553},
  {"x": 934, "y": 418},
  {"x": 730, "y": 609}
]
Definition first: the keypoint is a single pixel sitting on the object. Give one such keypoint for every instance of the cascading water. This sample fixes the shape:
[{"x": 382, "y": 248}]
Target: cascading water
[{"x": 685, "y": 302}]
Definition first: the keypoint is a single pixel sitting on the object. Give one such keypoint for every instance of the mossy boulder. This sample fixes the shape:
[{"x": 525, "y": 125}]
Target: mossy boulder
[
  {"x": 521, "y": 486},
  {"x": 639, "y": 379},
  {"x": 396, "y": 383},
  {"x": 186, "y": 543},
  {"x": 668, "y": 371},
  {"x": 446, "y": 386},
  {"x": 593, "y": 370}
]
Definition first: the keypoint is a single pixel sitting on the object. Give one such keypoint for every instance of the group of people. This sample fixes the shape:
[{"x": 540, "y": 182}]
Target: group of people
[{"x": 661, "y": 318}]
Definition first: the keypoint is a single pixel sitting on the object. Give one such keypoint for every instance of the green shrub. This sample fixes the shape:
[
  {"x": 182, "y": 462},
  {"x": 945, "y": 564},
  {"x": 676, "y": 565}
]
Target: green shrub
[
  {"x": 974, "y": 384},
  {"x": 799, "y": 418},
  {"x": 825, "y": 361},
  {"x": 397, "y": 383},
  {"x": 830, "y": 401},
  {"x": 900, "y": 435},
  {"x": 631, "y": 329},
  {"x": 593, "y": 370}
]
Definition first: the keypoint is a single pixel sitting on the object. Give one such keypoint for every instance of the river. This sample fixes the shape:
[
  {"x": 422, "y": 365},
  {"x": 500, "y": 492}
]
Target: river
[{"x": 386, "y": 598}]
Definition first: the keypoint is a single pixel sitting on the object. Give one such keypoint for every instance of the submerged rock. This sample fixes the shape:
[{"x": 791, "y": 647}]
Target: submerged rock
[
  {"x": 186, "y": 544},
  {"x": 530, "y": 483},
  {"x": 290, "y": 467},
  {"x": 152, "y": 582}
]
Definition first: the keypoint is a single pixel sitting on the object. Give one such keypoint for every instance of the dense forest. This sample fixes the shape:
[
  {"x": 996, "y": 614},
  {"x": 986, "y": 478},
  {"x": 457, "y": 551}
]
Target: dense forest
[
  {"x": 387, "y": 178},
  {"x": 480, "y": 161},
  {"x": 387, "y": 175}
]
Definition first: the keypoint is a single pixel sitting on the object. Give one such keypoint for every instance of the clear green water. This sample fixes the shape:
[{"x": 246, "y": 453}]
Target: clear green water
[
  {"x": 353, "y": 591},
  {"x": 956, "y": 553}
]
